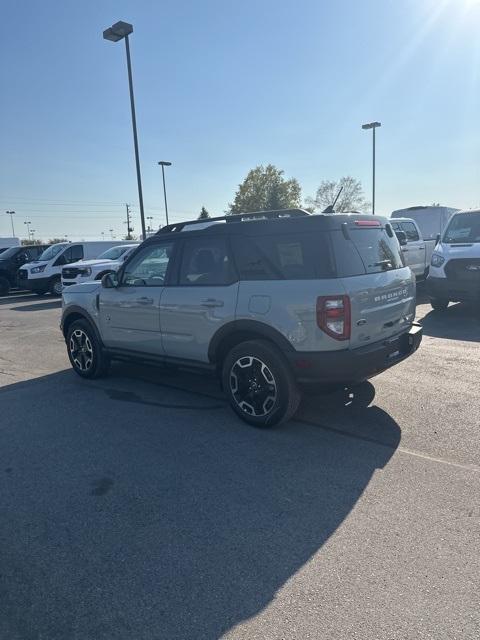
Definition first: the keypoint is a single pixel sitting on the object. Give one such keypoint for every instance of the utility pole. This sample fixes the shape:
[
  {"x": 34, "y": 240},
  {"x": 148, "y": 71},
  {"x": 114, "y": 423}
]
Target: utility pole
[
  {"x": 129, "y": 228},
  {"x": 111, "y": 233},
  {"x": 373, "y": 126}
]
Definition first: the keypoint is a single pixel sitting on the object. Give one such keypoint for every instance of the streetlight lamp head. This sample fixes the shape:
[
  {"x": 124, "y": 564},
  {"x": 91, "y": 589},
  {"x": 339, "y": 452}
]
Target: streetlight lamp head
[
  {"x": 118, "y": 31},
  {"x": 371, "y": 125},
  {"x": 164, "y": 163}
]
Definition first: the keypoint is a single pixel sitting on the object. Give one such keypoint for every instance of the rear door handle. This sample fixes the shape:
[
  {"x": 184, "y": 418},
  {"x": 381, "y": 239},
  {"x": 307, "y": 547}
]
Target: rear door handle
[
  {"x": 211, "y": 302},
  {"x": 144, "y": 300},
  {"x": 422, "y": 248}
]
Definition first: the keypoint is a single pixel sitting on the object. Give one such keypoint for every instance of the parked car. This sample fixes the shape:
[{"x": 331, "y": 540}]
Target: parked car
[
  {"x": 10, "y": 262},
  {"x": 431, "y": 220},
  {"x": 455, "y": 266},
  {"x": 45, "y": 275},
  {"x": 107, "y": 262},
  {"x": 7, "y": 243},
  {"x": 417, "y": 251},
  {"x": 270, "y": 301}
]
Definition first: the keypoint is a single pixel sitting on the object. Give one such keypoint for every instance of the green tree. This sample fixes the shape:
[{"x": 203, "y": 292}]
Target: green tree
[
  {"x": 203, "y": 214},
  {"x": 351, "y": 198},
  {"x": 265, "y": 189}
]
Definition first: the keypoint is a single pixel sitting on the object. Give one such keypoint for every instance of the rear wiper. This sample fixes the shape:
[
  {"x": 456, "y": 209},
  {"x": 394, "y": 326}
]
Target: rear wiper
[{"x": 387, "y": 264}]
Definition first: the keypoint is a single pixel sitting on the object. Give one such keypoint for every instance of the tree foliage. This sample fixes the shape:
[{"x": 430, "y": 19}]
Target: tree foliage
[
  {"x": 56, "y": 240},
  {"x": 203, "y": 214},
  {"x": 26, "y": 242},
  {"x": 265, "y": 189},
  {"x": 352, "y": 197}
]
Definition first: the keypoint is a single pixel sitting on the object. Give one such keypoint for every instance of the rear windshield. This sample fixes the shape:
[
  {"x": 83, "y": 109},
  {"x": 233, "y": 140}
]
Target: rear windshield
[
  {"x": 293, "y": 256},
  {"x": 368, "y": 250},
  {"x": 463, "y": 227}
]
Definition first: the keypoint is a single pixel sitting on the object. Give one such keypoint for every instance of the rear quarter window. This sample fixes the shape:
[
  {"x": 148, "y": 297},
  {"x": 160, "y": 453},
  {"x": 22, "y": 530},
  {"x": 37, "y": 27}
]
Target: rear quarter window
[{"x": 295, "y": 256}]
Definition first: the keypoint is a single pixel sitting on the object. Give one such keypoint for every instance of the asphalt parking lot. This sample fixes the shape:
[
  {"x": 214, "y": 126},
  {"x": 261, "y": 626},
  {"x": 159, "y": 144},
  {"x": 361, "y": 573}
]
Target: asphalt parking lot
[{"x": 139, "y": 507}]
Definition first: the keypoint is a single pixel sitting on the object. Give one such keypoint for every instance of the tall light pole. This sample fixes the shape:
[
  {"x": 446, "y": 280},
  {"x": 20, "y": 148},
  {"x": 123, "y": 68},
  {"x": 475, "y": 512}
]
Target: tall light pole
[
  {"x": 28, "y": 223},
  {"x": 11, "y": 214},
  {"x": 115, "y": 33},
  {"x": 150, "y": 218},
  {"x": 32, "y": 232},
  {"x": 111, "y": 233},
  {"x": 373, "y": 126},
  {"x": 164, "y": 164}
]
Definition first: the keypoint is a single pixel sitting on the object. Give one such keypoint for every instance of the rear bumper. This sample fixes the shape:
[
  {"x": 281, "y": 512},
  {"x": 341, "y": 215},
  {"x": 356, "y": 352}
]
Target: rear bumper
[
  {"x": 453, "y": 290},
  {"x": 354, "y": 365}
]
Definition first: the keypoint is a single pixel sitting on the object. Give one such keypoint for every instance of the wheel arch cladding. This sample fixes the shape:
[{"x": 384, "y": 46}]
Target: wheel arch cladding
[{"x": 239, "y": 331}]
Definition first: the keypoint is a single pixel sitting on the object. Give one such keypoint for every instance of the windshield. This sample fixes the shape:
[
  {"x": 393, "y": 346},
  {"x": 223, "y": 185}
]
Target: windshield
[
  {"x": 52, "y": 251},
  {"x": 113, "y": 253},
  {"x": 463, "y": 227},
  {"x": 9, "y": 253}
]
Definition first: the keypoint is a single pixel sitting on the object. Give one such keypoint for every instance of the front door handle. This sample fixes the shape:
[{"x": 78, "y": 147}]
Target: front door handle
[
  {"x": 422, "y": 248},
  {"x": 144, "y": 300},
  {"x": 211, "y": 302}
]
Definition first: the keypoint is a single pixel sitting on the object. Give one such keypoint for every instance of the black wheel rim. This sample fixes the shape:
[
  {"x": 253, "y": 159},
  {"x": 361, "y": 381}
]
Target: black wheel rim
[
  {"x": 81, "y": 350},
  {"x": 253, "y": 386}
]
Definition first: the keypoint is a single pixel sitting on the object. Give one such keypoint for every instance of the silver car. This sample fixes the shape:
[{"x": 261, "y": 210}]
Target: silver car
[{"x": 271, "y": 302}]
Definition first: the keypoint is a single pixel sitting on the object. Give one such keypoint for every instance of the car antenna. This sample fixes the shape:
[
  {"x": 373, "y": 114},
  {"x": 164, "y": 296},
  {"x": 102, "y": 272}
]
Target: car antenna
[{"x": 331, "y": 207}]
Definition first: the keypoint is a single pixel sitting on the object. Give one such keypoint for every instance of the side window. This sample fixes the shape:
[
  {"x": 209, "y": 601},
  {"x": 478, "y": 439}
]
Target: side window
[
  {"x": 205, "y": 261},
  {"x": 396, "y": 226},
  {"x": 296, "y": 256},
  {"x": 76, "y": 253},
  {"x": 411, "y": 231},
  {"x": 149, "y": 267}
]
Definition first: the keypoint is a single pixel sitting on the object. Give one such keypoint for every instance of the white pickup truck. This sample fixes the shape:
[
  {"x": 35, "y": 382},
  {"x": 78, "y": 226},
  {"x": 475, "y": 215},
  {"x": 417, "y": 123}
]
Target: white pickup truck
[{"x": 417, "y": 251}]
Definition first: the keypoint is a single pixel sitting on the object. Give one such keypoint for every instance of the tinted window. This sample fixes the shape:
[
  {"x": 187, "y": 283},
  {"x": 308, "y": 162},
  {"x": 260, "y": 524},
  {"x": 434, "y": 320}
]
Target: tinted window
[
  {"x": 463, "y": 227},
  {"x": 411, "y": 231},
  {"x": 72, "y": 254},
  {"x": 9, "y": 253},
  {"x": 205, "y": 261},
  {"x": 149, "y": 267},
  {"x": 376, "y": 249},
  {"x": 296, "y": 256}
]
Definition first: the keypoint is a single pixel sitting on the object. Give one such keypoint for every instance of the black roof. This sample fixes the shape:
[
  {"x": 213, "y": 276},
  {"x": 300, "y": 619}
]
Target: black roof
[{"x": 263, "y": 222}]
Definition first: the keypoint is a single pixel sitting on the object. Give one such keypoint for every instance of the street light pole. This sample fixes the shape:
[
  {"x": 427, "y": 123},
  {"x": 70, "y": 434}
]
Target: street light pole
[
  {"x": 28, "y": 223},
  {"x": 11, "y": 214},
  {"x": 373, "y": 126},
  {"x": 115, "y": 33},
  {"x": 164, "y": 164}
]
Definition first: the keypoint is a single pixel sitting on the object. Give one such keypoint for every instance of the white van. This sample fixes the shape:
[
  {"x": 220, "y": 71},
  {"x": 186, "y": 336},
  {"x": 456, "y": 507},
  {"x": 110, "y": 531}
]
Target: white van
[
  {"x": 44, "y": 275},
  {"x": 430, "y": 220},
  {"x": 455, "y": 266}
]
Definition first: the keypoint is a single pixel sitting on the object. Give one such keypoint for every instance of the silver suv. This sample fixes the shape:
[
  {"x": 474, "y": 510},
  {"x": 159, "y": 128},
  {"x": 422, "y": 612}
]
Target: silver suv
[{"x": 270, "y": 301}]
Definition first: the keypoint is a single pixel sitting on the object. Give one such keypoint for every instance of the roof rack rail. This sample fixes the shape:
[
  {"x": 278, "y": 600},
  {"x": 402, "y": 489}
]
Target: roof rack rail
[{"x": 237, "y": 217}]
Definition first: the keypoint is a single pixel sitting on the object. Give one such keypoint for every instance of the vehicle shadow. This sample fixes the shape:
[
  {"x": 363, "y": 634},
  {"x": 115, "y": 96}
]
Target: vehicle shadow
[
  {"x": 457, "y": 322},
  {"x": 150, "y": 518},
  {"x": 13, "y": 298},
  {"x": 56, "y": 303}
]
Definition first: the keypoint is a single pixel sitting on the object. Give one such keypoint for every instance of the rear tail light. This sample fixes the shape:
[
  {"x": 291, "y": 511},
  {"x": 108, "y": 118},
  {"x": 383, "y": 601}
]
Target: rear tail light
[
  {"x": 334, "y": 316},
  {"x": 367, "y": 223}
]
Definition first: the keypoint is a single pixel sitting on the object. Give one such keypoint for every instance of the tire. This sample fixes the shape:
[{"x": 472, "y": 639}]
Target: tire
[
  {"x": 4, "y": 286},
  {"x": 259, "y": 384},
  {"x": 439, "y": 304},
  {"x": 55, "y": 286},
  {"x": 85, "y": 351}
]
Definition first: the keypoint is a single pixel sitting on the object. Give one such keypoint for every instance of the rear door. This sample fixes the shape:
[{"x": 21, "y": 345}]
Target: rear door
[
  {"x": 202, "y": 300},
  {"x": 380, "y": 287}
]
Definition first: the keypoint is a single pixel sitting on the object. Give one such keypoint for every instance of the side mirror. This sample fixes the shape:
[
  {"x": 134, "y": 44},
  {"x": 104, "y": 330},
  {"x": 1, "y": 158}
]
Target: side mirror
[
  {"x": 110, "y": 281},
  {"x": 401, "y": 237},
  {"x": 437, "y": 239}
]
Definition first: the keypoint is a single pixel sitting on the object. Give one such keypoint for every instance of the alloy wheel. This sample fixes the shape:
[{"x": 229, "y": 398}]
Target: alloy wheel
[
  {"x": 253, "y": 386},
  {"x": 81, "y": 350}
]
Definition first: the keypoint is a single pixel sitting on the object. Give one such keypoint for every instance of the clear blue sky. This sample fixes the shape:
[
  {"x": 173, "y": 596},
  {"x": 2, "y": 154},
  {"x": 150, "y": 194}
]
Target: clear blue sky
[{"x": 222, "y": 86}]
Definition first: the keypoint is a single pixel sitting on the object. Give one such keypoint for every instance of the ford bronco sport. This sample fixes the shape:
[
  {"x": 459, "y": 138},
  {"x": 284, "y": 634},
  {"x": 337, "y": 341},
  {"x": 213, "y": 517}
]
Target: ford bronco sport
[{"x": 271, "y": 301}]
